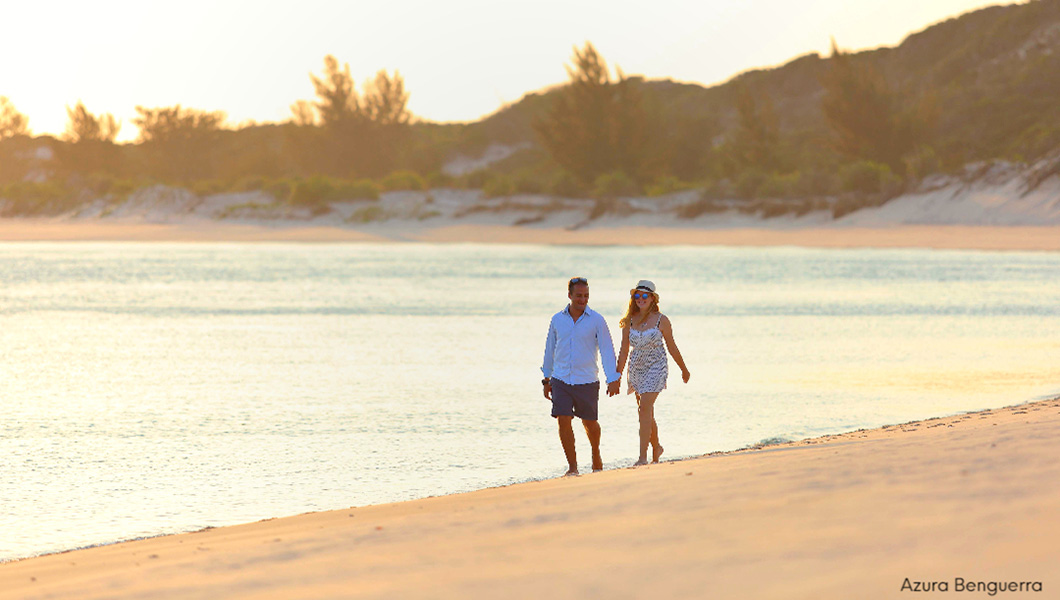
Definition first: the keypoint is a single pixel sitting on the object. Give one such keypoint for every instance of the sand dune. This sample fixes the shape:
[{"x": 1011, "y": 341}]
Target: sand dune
[
  {"x": 998, "y": 208},
  {"x": 975, "y": 497}
]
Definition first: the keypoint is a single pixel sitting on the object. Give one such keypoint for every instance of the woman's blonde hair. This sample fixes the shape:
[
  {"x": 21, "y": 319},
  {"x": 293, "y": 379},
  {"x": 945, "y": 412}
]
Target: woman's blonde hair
[{"x": 632, "y": 309}]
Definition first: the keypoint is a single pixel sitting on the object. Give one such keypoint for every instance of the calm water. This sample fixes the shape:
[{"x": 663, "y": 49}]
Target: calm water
[{"x": 157, "y": 388}]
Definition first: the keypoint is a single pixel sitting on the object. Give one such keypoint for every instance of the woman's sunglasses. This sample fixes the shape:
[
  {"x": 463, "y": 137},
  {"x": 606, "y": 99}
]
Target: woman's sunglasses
[{"x": 638, "y": 296}]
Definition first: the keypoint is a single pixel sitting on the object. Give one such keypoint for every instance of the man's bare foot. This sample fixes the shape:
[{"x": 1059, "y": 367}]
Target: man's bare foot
[
  {"x": 598, "y": 463},
  {"x": 571, "y": 473},
  {"x": 640, "y": 461},
  {"x": 656, "y": 452}
]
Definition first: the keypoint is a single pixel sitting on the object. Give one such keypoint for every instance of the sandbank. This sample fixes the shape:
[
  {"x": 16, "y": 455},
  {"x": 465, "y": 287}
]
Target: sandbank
[{"x": 973, "y": 496}]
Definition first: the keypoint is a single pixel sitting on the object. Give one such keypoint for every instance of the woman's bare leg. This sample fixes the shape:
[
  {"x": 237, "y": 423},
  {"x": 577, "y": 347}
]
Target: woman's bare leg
[
  {"x": 648, "y": 428},
  {"x": 656, "y": 447}
]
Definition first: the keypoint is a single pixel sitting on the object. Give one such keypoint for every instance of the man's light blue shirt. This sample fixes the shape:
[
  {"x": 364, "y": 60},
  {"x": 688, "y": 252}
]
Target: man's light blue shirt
[{"x": 571, "y": 347}]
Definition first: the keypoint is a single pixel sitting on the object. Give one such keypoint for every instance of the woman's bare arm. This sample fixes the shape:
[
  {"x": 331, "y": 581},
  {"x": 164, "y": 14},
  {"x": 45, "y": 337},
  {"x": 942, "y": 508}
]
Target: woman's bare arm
[
  {"x": 623, "y": 352},
  {"x": 671, "y": 345}
]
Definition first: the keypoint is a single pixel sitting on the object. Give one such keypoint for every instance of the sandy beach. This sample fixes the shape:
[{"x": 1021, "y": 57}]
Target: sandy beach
[
  {"x": 950, "y": 502},
  {"x": 1044, "y": 238}
]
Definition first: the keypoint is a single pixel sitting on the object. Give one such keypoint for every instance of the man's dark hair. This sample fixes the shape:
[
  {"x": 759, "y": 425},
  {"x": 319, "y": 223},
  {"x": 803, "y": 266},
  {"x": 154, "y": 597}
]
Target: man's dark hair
[{"x": 576, "y": 281}]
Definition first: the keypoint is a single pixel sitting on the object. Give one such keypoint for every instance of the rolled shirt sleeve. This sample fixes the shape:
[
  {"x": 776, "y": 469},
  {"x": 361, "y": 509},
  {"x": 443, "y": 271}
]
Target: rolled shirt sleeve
[
  {"x": 550, "y": 350},
  {"x": 607, "y": 350}
]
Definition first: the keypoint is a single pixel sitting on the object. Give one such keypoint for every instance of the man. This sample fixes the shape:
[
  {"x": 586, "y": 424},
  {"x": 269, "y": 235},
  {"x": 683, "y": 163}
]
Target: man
[{"x": 575, "y": 336}]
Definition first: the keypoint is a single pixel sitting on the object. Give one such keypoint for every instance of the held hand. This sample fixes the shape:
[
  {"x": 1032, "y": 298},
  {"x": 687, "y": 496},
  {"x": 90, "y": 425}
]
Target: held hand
[
  {"x": 614, "y": 387},
  {"x": 548, "y": 391},
  {"x": 685, "y": 375}
]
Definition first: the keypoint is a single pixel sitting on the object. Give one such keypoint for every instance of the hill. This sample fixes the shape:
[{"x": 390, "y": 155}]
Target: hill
[
  {"x": 983, "y": 86},
  {"x": 993, "y": 76}
]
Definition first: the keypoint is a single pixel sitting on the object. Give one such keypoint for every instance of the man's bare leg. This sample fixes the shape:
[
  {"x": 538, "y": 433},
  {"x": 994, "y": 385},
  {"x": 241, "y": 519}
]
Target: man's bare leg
[
  {"x": 592, "y": 429},
  {"x": 566, "y": 438}
]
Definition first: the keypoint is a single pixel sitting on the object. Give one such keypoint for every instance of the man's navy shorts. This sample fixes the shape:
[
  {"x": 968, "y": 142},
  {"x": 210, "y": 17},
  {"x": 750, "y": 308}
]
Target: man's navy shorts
[{"x": 575, "y": 400}]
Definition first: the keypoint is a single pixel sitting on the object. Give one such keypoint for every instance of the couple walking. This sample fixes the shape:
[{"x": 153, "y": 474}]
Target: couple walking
[{"x": 575, "y": 335}]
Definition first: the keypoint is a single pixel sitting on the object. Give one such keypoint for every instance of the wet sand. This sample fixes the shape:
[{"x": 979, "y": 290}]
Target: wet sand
[{"x": 974, "y": 496}]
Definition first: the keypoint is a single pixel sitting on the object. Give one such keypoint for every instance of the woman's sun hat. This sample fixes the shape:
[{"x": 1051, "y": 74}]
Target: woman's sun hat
[{"x": 645, "y": 286}]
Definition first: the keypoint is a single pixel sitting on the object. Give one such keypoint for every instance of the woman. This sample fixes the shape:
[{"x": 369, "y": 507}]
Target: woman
[{"x": 645, "y": 329}]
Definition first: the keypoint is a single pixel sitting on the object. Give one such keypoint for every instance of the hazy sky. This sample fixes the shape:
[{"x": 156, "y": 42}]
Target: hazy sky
[{"x": 461, "y": 59}]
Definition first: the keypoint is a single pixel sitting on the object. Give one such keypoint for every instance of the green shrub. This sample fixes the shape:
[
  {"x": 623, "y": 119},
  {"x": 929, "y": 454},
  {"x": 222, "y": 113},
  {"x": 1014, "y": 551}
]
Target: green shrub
[
  {"x": 749, "y": 183},
  {"x": 923, "y": 162},
  {"x": 231, "y": 210},
  {"x": 476, "y": 180},
  {"x": 438, "y": 179},
  {"x": 722, "y": 188},
  {"x": 280, "y": 189},
  {"x": 566, "y": 185},
  {"x": 700, "y": 207},
  {"x": 614, "y": 184},
  {"x": 250, "y": 184},
  {"x": 209, "y": 187},
  {"x": 367, "y": 214},
  {"x": 527, "y": 184},
  {"x": 667, "y": 185},
  {"x": 361, "y": 189},
  {"x": 31, "y": 198},
  {"x": 102, "y": 184},
  {"x": 121, "y": 188},
  {"x": 775, "y": 208},
  {"x": 817, "y": 182},
  {"x": 403, "y": 180},
  {"x": 779, "y": 186},
  {"x": 865, "y": 176},
  {"x": 611, "y": 206},
  {"x": 498, "y": 186},
  {"x": 314, "y": 192}
]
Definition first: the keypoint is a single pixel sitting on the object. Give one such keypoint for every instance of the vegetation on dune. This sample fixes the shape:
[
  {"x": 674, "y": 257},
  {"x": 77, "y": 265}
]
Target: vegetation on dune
[{"x": 837, "y": 132}]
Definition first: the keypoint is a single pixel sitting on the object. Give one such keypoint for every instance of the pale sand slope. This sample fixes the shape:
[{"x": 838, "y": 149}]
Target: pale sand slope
[
  {"x": 975, "y": 496},
  {"x": 999, "y": 207}
]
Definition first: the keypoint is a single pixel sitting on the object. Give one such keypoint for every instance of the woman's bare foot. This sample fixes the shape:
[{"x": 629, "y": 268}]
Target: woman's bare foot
[
  {"x": 571, "y": 473},
  {"x": 656, "y": 452},
  {"x": 640, "y": 461}
]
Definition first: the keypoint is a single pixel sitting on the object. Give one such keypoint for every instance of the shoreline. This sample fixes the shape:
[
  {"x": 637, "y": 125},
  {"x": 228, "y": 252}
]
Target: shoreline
[
  {"x": 942, "y": 237},
  {"x": 970, "y": 495}
]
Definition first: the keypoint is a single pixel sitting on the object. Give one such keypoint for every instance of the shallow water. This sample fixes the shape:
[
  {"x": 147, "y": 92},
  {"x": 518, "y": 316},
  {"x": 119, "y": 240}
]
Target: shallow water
[{"x": 155, "y": 388}]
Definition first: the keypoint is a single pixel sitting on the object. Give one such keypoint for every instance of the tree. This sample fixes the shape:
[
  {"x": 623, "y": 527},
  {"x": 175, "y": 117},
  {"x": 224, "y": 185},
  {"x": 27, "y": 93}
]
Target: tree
[
  {"x": 595, "y": 125},
  {"x": 180, "y": 143},
  {"x": 176, "y": 123},
  {"x": 345, "y": 134},
  {"x": 338, "y": 102},
  {"x": 385, "y": 100},
  {"x": 90, "y": 142},
  {"x": 83, "y": 126},
  {"x": 867, "y": 118},
  {"x": 755, "y": 142},
  {"x": 303, "y": 113},
  {"x": 12, "y": 122}
]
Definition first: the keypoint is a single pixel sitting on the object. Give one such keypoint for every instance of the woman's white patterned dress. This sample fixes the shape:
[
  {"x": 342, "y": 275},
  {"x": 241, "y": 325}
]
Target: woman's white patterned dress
[{"x": 647, "y": 360}]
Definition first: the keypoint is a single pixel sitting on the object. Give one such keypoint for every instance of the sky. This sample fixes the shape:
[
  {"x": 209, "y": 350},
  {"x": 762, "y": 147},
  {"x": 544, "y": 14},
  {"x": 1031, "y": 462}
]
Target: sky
[{"x": 460, "y": 59}]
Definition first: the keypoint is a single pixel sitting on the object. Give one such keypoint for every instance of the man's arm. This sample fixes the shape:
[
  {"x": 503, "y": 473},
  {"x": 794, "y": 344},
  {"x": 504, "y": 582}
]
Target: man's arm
[
  {"x": 550, "y": 351},
  {"x": 549, "y": 359},
  {"x": 607, "y": 356}
]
